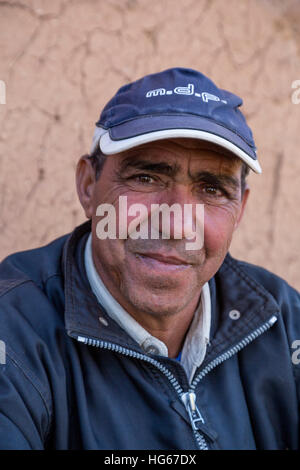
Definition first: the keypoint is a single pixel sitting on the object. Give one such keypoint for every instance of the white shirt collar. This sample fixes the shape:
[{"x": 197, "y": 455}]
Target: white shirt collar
[{"x": 196, "y": 340}]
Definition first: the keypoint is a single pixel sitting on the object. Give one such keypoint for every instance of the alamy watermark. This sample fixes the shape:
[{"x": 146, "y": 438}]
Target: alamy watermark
[
  {"x": 296, "y": 93},
  {"x": 2, "y": 352},
  {"x": 2, "y": 92},
  {"x": 188, "y": 222},
  {"x": 296, "y": 353}
]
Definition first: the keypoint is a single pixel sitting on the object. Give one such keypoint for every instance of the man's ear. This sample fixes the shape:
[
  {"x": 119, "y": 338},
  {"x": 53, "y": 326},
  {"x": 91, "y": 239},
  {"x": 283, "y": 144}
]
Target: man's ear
[
  {"x": 243, "y": 205},
  {"x": 85, "y": 183}
]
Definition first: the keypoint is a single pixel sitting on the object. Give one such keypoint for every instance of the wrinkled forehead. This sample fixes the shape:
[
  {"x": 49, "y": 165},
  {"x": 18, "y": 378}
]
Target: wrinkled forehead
[{"x": 182, "y": 152}]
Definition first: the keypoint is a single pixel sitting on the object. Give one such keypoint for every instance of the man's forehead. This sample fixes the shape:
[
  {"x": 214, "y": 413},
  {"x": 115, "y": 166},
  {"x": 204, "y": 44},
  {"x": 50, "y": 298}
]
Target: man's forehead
[{"x": 180, "y": 151}]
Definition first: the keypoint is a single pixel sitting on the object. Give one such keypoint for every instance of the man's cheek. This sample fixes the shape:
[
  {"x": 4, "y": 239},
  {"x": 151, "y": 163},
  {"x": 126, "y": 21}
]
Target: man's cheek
[
  {"x": 217, "y": 233},
  {"x": 108, "y": 246}
]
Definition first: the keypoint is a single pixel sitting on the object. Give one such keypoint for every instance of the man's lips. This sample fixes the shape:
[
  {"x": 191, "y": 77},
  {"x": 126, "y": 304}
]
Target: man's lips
[{"x": 166, "y": 259}]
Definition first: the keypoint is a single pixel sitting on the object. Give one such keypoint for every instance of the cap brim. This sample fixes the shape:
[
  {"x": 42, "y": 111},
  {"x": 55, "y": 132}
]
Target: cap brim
[{"x": 151, "y": 128}]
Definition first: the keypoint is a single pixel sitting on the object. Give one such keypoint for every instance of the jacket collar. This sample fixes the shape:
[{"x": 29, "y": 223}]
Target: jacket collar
[{"x": 240, "y": 304}]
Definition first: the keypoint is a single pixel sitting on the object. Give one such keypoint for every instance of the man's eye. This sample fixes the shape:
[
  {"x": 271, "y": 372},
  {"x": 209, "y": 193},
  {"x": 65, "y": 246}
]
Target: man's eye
[
  {"x": 144, "y": 179},
  {"x": 213, "y": 191}
]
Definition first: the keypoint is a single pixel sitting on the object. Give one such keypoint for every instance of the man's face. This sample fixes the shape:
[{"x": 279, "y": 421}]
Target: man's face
[{"x": 161, "y": 277}]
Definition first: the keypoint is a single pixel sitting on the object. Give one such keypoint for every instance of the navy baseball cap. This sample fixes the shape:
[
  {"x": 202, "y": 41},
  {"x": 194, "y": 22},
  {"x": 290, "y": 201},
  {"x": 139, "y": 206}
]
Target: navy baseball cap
[{"x": 177, "y": 102}]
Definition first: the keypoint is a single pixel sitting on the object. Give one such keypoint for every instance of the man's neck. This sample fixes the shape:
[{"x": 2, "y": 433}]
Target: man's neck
[{"x": 170, "y": 329}]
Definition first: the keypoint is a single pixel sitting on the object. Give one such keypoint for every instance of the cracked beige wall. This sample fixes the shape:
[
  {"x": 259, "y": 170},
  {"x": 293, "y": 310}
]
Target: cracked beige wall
[{"x": 62, "y": 60}]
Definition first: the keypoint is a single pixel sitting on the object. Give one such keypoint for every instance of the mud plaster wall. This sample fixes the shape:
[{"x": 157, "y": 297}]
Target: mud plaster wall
[{"x": 62, "y": 60}]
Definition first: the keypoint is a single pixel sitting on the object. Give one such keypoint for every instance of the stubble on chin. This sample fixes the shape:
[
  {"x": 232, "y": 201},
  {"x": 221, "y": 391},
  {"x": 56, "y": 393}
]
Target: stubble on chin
[{"x": 157, "y": 296}]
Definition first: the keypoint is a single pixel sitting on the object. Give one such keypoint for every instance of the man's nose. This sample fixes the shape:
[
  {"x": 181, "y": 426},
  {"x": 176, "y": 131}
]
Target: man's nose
[{"x": 178, "y": 213}]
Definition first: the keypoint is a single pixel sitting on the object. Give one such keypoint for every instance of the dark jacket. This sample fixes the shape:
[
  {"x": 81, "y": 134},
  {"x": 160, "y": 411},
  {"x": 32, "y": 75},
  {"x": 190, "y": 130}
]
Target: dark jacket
[{"x": 71, "y": 381}]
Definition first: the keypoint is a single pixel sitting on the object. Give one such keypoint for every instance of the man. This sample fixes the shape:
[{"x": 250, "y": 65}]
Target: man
[{"x": 139, "y": 330}]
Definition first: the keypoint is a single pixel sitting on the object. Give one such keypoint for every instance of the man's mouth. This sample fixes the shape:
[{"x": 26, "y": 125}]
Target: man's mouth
[{"x": 163, "y": 262}]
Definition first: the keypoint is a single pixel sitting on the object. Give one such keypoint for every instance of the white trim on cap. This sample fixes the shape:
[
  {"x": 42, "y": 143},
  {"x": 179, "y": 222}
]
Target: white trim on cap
[
  {"x": 110, "y": 147},
  {"x": 99, "y": 131}
]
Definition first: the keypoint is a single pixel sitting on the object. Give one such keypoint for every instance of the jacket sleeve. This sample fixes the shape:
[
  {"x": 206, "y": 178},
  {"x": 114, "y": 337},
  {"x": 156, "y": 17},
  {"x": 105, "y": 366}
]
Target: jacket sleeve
[
  {"x": 295, "y": 349},
  {"x": 291, "y": 308},
  {"x": 23, "y": 415},
  {"x": 288, "y": 300}
]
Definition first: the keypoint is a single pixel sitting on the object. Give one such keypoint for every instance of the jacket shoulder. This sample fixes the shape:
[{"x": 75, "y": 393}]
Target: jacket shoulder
[
  {"x": 286, "y": 297},
  {"x": 36, "y": 265},
  {"x": 273, "y": 283}
]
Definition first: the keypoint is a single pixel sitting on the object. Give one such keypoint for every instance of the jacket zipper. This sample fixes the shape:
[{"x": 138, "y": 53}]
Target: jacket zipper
[
  {"x": 235, "y": 349},
  {"x": 188, "y": 398},
  {"x": 192, "y": 411}
]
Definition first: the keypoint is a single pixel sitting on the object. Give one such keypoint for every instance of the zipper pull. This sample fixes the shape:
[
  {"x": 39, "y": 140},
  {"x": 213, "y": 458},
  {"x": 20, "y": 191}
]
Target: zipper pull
[{"x": 189, "y": 400}]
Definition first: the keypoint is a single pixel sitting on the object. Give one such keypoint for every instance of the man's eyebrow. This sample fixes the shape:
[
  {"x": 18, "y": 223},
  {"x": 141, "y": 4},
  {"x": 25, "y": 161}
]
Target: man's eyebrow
[
  {"x": 173, "y": 169},
  {"x": 212, "y": 178},
  {"x": 146, "y": 165}
]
